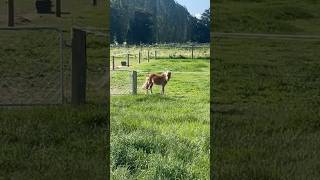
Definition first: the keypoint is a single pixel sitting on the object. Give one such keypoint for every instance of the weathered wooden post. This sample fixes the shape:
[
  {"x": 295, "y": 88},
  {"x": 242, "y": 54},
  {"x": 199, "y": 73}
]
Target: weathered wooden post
[
  {"x": 112, "y": 62},
  {"x": 11, "y": 13},
  {"x": 134, "y": 82},
  {"x": 148, "y": 56},
  {"x": 128, "y": 60},
  {"x": 155, "y": 54},
  {"x": 79, "y": 63},
  {"x": 139, "y": 57},
  {"x": 58, "y": 8}
]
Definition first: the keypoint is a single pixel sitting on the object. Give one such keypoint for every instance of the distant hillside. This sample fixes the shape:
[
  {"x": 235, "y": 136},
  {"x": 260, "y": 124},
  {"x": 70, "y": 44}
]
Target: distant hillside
[
  {"x": 267, "y": 16},
  {"x": 150, "y": 21}
]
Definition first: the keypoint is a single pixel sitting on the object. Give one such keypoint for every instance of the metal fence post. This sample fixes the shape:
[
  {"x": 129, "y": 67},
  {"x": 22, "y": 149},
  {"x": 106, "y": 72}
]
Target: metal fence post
[
  {"x": 10, "y": 13},
  {"x": 134, "y": 82},
  {"x": 58, "y": 8},
  {"x": 79, "y": 63}
]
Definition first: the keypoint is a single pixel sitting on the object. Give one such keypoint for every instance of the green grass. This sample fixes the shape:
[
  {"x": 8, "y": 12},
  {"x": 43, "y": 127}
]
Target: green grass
[
  {"x": 265, "y": 109},
  {"x": 52, "y": 142},
  {"x": 163, "y": 137},
  {"x": 265, "y": 92},
  {"x": 268, "y": 16}
]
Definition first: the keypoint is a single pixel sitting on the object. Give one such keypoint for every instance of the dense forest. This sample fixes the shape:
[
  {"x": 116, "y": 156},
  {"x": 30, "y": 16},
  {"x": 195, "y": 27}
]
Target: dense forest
[{"x": 156, "y": 21}]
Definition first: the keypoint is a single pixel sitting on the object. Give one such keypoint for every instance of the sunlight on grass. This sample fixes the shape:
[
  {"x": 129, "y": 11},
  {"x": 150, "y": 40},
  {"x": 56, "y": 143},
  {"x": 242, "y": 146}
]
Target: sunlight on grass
[{"x": 170, "y": 133}]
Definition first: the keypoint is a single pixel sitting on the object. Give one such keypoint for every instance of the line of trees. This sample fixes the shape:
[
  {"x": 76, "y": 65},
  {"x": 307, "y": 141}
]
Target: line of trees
[{"x": 156, "y": 21}]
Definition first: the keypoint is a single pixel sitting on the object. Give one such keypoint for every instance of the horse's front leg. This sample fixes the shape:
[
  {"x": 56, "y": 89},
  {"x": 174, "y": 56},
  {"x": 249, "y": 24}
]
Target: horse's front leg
[{"x": 162, "y": 90}]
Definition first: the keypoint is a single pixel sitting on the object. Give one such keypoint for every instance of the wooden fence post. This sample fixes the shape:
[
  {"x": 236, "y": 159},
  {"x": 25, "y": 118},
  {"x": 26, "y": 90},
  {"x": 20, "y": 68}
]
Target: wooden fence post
[
  {"x": 79, "y": 63},
  {"x": 112, "y": 62},
  {"x": 192, "y": 51},
  {"x": 148, "y": 56},
  {"x": 11, "y": 13},
  {"x": 94, "y": 2},
  {"x": 134, "y": 82},
  {"x": 139, "y": 57},
  {"x": 58, "y": 8},
  {"x": 128, "y": 60},
  {"x": 155, "y": 54}
]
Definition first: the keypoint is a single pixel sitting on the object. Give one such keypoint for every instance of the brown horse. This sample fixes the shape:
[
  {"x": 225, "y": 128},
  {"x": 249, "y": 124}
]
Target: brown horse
[{"x": 156, "y": 79}]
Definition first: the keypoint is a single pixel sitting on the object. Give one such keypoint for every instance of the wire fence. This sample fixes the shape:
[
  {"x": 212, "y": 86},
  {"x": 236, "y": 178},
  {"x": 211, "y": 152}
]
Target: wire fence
[
  {"x": 31, "y": 66},
  {"x": 124, "y": 83},
  {"x": 124, "y": 56},
  {"x": 35, "y": 66},
  {"x": 121, "y": 82},
  {"x": 97, "y": 66}
]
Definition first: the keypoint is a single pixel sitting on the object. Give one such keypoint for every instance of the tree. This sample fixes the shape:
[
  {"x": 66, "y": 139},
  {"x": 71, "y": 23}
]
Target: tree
[
  {"x": 118, "y": 28},
  {"x": 201, "y": 28},
  {"x": 141, "y": 28}
]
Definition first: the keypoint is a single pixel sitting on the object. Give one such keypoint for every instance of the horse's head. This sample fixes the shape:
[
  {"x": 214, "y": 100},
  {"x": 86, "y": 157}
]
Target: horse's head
[{"x": 168, "y": 75}]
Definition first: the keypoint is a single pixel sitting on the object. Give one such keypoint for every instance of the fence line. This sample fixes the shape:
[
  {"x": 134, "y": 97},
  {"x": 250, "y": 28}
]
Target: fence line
[
  {"x": 49, "y": 76},
  {"x": 30, "y": 84},
  {"x": 140, "y": 54},
  {"x": 128, "y": 82},
  {"x": 293, "y": 37}
]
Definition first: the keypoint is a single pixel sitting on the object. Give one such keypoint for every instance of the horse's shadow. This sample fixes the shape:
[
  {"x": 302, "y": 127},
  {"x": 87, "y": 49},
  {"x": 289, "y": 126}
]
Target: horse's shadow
[{"x": 155, "y": 98}]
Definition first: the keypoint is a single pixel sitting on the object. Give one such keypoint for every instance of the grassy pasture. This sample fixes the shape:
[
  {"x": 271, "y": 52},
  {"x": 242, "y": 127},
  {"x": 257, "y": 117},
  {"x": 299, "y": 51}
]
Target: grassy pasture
[
  {"x": 74, "y": 13},
  {"x": 163, "y": 137},
  {"x": 265, "y": 92},
  {"x": 267, "y": 16},
  {"x": 265, "y": 108},
  {"x": 51, "y": 142}
]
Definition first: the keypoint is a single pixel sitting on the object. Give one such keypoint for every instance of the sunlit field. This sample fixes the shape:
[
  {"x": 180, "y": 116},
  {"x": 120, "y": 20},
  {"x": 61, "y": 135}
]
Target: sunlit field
[{"x": 163, "y": 136}]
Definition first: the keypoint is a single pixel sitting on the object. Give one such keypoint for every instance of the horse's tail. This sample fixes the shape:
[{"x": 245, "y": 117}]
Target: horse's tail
[{"x": 146, "y": 85}]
